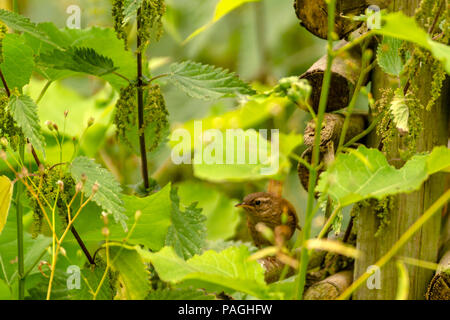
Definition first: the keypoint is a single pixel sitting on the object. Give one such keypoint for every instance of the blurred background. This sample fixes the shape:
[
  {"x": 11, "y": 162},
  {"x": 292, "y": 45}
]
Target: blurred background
[{"x": 260, "y": 41}]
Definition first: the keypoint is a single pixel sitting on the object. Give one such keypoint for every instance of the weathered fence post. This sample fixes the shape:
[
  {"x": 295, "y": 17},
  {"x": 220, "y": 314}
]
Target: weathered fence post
[{"x": 405, "y": 209}]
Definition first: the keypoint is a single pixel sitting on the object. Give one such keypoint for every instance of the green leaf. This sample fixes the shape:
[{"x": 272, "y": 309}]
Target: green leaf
[
  {"x": 24, "y": 112},
  {"x": 207, "y": 82},
  {"x": 179, "y": 294},
  {"x": 400, "y": 111},
  {"x": 108, "y": 194},
  {"x": 20, "y": 23},
  {"x": 5, "y": 293},
  {"x": 400, "y": 26},
  {"x": 85, "y": 60},
  {"x": 229, "y": 271},
  {"x": 365, "y": 173},
  {"x": 16, "y": 56},
  {"x": 222, "y": 217},
  {"x": 251, "y": 145},
  {"x": 91, "y": 277},
  {"x": 155, "y": 216},
  {"x": 6, "y": 190},
  {"x": 388, "y": 56},
  {"x": 187, "y": 232},
  {"x": 222, "y": 9},
  {"x": 133, "y": 275},
  {"x": 130, "y": 9}
]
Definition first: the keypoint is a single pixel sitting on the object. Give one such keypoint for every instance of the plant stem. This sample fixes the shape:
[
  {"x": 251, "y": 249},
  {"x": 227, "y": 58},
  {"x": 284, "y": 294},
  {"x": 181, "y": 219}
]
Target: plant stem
[
  {"x": 19, "y": 214},
  {"x": 400, "y": 243},
  {"x": 140, "y": 101},
  {"x": 304, "y": 257},
  {"x": 44, "y": 90}
]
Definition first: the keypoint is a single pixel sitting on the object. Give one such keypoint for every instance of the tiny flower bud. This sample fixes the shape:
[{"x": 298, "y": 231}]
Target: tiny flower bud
[
  {"x": 105, "y": 232},
  {"x": 55, "y": 126},
  {"x": 60, "y": 185},
  {"x": 3, "y": 155},
  {"x": 41, "y": 169},
  {"x": 79, "y": 187},
  {"x": 24, "y": 171},
  {"x": 95, "y": 188},
  {"x": 4, "y": 142},
  {"x": 66, "y": 113},
  {"x": 90, "y": 122},
  {"x": 105, "y": 218},
  {"x": 49, "y": 125},
  {"x": 137, "y": 215}
]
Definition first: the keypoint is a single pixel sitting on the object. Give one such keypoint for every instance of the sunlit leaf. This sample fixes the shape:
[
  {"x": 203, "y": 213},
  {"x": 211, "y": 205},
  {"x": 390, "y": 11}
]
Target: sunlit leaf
[
  {"x": 388, "y": 56},
  {"x": 229, "y": 271},
  {"x": 400, "y": 26},
  {"x": 400, "y": 112},
  {"x": 350, "y": 179},
  {"x": 222, "y": 9},
  {"x": 6, "y": 190}
]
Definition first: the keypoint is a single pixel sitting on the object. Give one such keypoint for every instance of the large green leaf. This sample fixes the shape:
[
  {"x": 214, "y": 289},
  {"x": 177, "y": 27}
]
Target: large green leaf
[
  {"x": 109, "y": 191},
  {"x": 254, "y": 166},
  {"x": 222, "y": 216},
  {"x": 133, "y": 275},
  {"x": 150, "y": 230},
  {"x": 18, "y": 62},
  {"x": 207, "y": 82},
  {"x": 22, "y": 24},
  {"x": 187, "y": 232},
  {"x": 24, "y": 112},
  {"x": 400, "y": 26},
  {"x": 222, "y": 9},
  {"x": 179, "y": 294},
  {"x": 365, "y": 173},
  {"x": 229, "y": 271},
  {"x": 85, "y": 60},
  {"x": 6, "y": 189}
]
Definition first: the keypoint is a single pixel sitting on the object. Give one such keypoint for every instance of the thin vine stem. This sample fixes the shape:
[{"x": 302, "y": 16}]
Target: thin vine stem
[
  {"x": 399, "y": 244},
  {"x": 304, "y": 256},
  {"x": 140, "y": 102}
]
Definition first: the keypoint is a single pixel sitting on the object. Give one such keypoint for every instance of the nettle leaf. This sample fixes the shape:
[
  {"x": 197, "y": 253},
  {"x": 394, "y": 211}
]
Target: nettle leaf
[
  {"x": 365, "y": 173},
  {"x": 389, "y": 57},
  {"x": 20, "y": 23},
  {"x": 179, "y": 294},
  {"x": 85, "y": 60},
  {"x": 91, "y": 279},
  {"x": 229, "y": 270},
  {"x": 130, "y": 9},
  {"x": 25, "y": 112},
  {"x": 108, "y": 195},
  {"x": 207, "y": 82},
  {"x": 16, "y": 56},
  {"x": 221, "y": 214},
  {"x": 400, "y": 111},
  {"x": 133, "y": 274},
  {"x": 6, "y": 189},
  {"x": 400, "y": 26},
  {"x": 187, "y": 232}
]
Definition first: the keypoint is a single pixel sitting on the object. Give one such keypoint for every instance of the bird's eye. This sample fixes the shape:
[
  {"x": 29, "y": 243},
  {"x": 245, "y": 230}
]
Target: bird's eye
[{"x": 257, "y": 202}]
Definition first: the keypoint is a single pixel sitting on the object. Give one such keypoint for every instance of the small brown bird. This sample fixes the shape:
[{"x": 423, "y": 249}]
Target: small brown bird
[{"x": 267, "y": 208}]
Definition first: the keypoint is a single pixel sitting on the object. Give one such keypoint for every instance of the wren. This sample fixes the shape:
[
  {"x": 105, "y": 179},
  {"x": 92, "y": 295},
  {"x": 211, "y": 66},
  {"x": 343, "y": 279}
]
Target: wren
[{"x": 267, "y": 208}]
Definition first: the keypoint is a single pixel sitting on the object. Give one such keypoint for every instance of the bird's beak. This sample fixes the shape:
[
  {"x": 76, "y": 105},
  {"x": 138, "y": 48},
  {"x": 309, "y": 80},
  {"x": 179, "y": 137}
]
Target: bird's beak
[{"x": 242, "y": 205}]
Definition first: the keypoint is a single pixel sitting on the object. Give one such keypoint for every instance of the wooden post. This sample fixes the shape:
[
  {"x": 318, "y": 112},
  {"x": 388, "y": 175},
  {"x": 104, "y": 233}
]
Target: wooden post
[
  {"x": 329, "y": 140},
  {"x": 330, "y": 288},
  {"x": 406, "y": 208},
  {"x": 313, "y": 15},
  {"x": 346, "y": 70},
  {"x": 439, "y": 288}
]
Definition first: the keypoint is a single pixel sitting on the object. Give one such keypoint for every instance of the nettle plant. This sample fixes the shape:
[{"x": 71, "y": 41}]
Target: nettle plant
[{"x": 150, "y": 246}]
